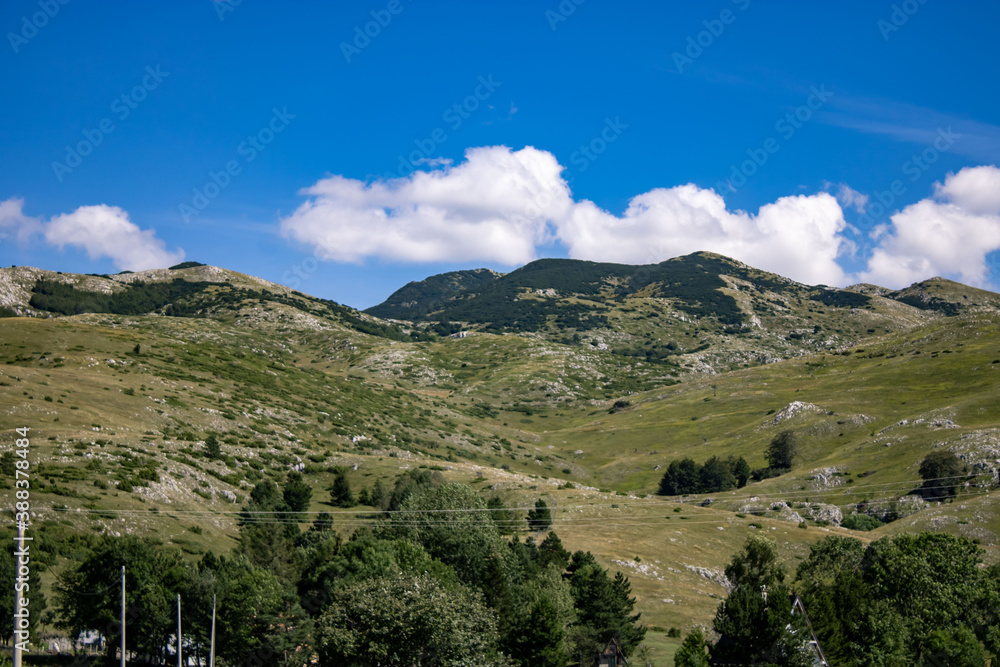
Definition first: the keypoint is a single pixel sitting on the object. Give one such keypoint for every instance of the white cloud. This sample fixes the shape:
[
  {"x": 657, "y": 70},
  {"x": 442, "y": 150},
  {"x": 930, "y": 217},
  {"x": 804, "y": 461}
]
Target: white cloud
[
  {"x": 948, "y": 235},
  {"x": 975, "y": 189},
  {"x": 500, "y": 205},
  {"x": 492, "y": 207},
  {"x": 13, "y": 221},
  {"x": 106, "y": 231},
  {"x": 848, "y": 196},
  {"x": 102, "y": 231},
  {"x": 797, "y": 237}
]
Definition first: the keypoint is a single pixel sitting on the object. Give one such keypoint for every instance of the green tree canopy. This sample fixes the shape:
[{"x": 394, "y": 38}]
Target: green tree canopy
[
  {"x": 258, "y": 619},
  {"x": 782, "y": 449},
  {"x": 604, "y": 607},
  {"x": 452, "y": 523},
  {"x": 340, "y": 491},
  {"x": 88, "y": 596},
  {"x": 213, "y": 449},
  {"x": 267, "y": 531},
  {"x": 741, "y": 471},
  {"x": 681, "y": 478},
  {"x": 753, "y": 620},
  {"x": 943, "y": 473},
  {"x": 903, "y": 600},
  {"x": 692, "y": 652},
  {"x": 410, "y": 620},
  {"x": 505, "y": 518},
  {"x": 716, "y": 475},
  {"x": 33, "y": 592},
  {"x": 297, "y": 494},
  {"x": 540, "y": 518}
]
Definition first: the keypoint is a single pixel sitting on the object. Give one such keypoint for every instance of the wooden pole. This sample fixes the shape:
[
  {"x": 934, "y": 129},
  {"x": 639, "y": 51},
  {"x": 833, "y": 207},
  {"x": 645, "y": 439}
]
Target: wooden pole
[
  {"x": 179, "y": 636},
  {"x": 211, "y": 651},
  {"x": 123, "y": 616}
]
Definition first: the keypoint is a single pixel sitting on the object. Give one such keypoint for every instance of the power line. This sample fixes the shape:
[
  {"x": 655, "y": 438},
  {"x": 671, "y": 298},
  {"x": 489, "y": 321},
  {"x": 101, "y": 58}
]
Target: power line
[{"x": 646, "y": 502}]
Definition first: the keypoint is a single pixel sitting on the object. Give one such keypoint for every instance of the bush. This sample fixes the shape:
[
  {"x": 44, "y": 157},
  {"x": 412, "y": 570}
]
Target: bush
[
  {"x": 860, "y": 522},
  {"x": 942, "y": 473},
  {"x": 759, "y": 474}
]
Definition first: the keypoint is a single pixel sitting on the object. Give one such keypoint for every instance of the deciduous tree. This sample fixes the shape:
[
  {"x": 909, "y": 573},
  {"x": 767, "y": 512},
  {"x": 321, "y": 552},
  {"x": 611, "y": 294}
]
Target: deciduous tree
[{"x": 411, "y": 620}]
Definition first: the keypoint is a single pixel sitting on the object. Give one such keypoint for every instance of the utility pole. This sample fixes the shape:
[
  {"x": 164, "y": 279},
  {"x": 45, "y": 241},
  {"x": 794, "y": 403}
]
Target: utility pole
[
  {"x": 211, "y": 650},
  {"x": 798, "y": 606},
  {"x": 19, "y": 540},
  {"x": 179, "y": 636},
  {"x": 123, "y": 616}
]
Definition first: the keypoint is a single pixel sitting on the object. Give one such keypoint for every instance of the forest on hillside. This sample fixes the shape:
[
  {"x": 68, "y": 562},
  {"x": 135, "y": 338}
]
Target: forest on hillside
[{"x": 436, "y": 578}]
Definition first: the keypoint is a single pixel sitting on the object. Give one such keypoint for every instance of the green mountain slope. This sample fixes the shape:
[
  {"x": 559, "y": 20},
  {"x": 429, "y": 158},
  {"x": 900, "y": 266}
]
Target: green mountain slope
[
  {"x": 120, "y": 405},
  {"x": 416, "y": 299},
  {"x": 702, "y": 312}
]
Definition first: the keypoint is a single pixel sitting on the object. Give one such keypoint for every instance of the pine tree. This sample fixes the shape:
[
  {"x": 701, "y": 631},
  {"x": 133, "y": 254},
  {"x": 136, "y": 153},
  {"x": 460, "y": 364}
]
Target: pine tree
[
  {"x": 753, "y": 621},
  {"x": 716, "y": 475},
  {"x": 379, "y": 496},
  {"x": 692, "y": 651},
  {"x": 540, "y": 518},
  {"x": 604, "y": 605},
  {"x": 502, "y": 517},
  {"x": 297, "y": 494},
  {"x": 213, "y": 449},
  {"x": 782, "y": 450},
  {"x": 552, "y": 551},
  {"x": 741, "y": 471},
  {"x": 539, "y": 641},
  {"x": 340, "y": 491},
  {"x": 323, "y": 522},
  {"x": 681, "y": 477}
]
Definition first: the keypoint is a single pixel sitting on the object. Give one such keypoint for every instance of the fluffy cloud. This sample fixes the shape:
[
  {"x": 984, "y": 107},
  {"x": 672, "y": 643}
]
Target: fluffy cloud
[
  {"x": 492, "y": 207},
  {"x": 500, "y": 205},
  {"x": 950, "y": 234},
  {"x": 13, "y": 221},
  {"x": 975, "y": 189},
  {"x": 798, "y": 237},
  {"x": 101, "y": 231}
]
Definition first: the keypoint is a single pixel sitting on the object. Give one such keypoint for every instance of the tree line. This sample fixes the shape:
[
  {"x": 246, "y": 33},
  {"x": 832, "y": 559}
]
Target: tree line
[
  {"x": 431, "y": 582},
  {"x": 715, "y": 475},
  {"x": 899, "y": 601}
]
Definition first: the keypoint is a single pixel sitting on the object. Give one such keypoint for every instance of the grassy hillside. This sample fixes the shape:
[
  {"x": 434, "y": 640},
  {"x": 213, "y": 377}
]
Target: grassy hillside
[
  {"x": 120, "y": 406},
  {"x": 703, "y": 311}
]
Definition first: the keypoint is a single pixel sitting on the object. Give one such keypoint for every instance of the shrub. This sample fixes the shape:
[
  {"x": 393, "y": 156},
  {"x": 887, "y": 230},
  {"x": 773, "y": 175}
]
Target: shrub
[{"x": 860, "y": 522}]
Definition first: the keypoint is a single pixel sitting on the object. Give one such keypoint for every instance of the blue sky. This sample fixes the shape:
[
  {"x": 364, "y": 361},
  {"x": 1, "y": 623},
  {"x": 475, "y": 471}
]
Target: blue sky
[{"x": 831, "y": 142}]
